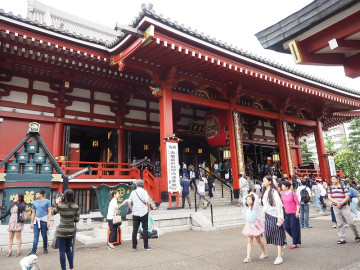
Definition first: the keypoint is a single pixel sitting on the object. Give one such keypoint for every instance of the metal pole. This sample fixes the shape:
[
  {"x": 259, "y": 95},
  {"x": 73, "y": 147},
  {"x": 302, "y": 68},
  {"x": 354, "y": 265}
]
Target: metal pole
[
  {"x": 195, "y": 197},
  {"x": 212, "y": 216}
]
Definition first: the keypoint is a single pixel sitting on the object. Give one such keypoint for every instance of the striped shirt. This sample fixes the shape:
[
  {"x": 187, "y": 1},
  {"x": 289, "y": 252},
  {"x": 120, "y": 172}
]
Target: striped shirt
[
  {"x": 338, "y": 193},
  {"x": 68, "y": 217}
]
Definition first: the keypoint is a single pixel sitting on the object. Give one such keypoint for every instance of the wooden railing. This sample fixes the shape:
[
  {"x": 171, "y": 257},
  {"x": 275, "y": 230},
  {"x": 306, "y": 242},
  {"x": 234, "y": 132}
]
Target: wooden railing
[
  {"x": 107, "y": 170},
  {"x": 302, "y": 173}
]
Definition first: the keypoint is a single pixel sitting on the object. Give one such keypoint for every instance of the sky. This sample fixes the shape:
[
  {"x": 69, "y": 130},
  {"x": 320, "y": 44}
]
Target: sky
[{"x": 232, "y": 21}]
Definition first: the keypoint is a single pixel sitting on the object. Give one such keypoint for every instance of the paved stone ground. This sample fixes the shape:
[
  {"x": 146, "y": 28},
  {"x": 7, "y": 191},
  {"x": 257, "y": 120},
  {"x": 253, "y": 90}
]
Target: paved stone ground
[{"x": 224, "y": 249}]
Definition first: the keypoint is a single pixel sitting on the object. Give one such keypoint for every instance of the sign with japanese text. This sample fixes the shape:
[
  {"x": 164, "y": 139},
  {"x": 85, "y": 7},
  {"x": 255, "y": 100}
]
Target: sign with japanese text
[
  {"x": 332, "y": 165},
  {"x": 288, "y": 148},
  {"x": 172, "y": 155}
]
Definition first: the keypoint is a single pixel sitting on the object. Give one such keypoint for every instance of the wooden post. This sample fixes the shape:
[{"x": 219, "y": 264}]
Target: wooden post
[
  {"x": 57, "y": 147},
  {"x": 120, "y": 148},
  {"x": 298, "y": 150},
  {"x": 282, "y": 147},
  {"x": 320, "y": 147},
  {"x": 166, "y": 129}
]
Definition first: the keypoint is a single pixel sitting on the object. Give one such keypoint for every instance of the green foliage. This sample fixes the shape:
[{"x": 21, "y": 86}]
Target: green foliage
[
  {"x": 348, "y": 157},
  {"x": 329, "y": 145},
  {"x": 305, "y": 153},
  {"x": 344, "y": 160}
]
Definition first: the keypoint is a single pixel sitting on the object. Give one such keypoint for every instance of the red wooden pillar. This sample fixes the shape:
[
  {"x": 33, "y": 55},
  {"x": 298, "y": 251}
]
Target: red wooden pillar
[
  {"x": 234, "y": 157},
  {"x": 58, "y": 135},
  {"x": 166, "y": 129},
  {"x": 282, "y": 146},
  {"x": 120, "y": 145},
  {"x": 320, "y": 147},
  {"x": 298, "y": 151}
]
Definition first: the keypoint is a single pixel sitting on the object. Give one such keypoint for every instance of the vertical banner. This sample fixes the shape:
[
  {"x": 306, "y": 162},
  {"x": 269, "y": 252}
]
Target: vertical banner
[
  {"x": 172, "y": 158},
  {"x": 288, "y": 148},
  {"x": 332, "y": 165},
  {"x": 239, "y": 142}
]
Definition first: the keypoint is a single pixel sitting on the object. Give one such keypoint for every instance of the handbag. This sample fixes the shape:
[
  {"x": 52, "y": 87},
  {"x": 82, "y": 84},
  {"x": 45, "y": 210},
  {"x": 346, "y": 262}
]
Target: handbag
[
  {"x": 54, "y": 244},
  {"x": 117, "y": 220}
]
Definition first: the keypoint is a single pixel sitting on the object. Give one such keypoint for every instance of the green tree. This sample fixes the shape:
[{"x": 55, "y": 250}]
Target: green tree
[
  {"x": 345, "y": 160},
  {"x": 305, "y": 153},
  {"x": 354, "y": 146},
  {"x": 329, "y": 145}
]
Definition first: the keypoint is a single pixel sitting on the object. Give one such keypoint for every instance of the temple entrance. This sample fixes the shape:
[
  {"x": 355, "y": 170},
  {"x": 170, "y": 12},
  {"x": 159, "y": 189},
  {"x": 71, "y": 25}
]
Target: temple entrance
[
  {"x": 141, "y": 144},
  {"x": 90, "y": 144}
]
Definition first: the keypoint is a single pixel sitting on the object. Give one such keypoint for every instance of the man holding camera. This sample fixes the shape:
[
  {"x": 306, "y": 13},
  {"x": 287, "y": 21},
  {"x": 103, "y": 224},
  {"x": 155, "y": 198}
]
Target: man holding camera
[{"x": 339, "y": 196}]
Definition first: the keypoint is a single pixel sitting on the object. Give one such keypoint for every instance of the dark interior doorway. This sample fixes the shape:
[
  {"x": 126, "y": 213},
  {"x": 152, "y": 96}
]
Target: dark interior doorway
[{"x": 95, "y": 144}]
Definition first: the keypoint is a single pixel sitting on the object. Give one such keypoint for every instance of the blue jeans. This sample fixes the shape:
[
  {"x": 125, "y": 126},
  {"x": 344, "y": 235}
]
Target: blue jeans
[
  {"x": 317, "y": 203},
  {"x": 43, "y": 228},
  {"x": 323, "y": 202},
  {"x": 65, "y": 247},
  {"x": 304, "y": 214},
  {"x": 354, "y": 202}
]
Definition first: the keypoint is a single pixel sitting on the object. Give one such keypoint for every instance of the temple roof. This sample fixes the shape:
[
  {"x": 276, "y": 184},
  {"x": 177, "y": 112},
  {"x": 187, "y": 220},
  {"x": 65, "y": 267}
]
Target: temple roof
[
  {"x": 49, "y": 18},
  {"x": 316, "y": 12}
]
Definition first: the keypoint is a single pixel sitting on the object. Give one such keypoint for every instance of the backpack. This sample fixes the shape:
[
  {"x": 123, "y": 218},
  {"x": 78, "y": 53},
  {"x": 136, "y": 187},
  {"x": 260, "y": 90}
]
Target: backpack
[{"x": 305, "y": 197}]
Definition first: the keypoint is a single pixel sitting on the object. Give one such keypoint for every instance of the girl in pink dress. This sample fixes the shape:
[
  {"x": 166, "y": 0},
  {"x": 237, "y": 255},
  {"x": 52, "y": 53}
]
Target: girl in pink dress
[
  {"x": 253, "y": 227},
  {"x": 15, "y": 225}
]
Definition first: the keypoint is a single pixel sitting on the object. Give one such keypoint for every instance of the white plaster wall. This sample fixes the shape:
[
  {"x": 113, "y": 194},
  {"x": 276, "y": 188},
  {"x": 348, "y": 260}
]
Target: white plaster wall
[
  {"x": 79, "y": 106},
  {"x": 267, "y": 124},
  {"x": 268, "y": 133},
  {"x": 258, "y": 132},
  {"x": 185, "y": 121},
  {"x": 200, "y": 113},
  {"x": 16, "y": 96},
  {"x": 101, "y": 109},
  {"x": 102, "y": 96},
  {"x": 187, "y": 111},
  {"x": 137, "y": 102},
  {"x": 154, "y": 105},
  {"x": 154, "y": 117},
  {"x": 136, "y": 115},
  {"x": 43, "y": 86},
  {"x": 17, "y": 81},
  {"x": 41, "y": 101},
  {"x": 78, "y": 92}
]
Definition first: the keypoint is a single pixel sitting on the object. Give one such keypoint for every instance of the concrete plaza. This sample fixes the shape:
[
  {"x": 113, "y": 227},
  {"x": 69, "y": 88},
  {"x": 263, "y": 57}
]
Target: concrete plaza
[{"x": 221, "y": 249}]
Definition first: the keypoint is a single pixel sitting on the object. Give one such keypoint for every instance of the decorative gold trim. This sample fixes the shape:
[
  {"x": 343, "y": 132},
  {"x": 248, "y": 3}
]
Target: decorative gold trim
[
  {"x": 149, "y": 34},
  {"x": 111, "y": 60},
  {"x": 67, "y": 84},
  {"x": 56, "y": 178},
  {"x": 295, "y": 51}
]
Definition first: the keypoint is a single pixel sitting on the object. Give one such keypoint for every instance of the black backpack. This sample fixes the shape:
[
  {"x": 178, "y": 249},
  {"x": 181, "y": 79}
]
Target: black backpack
[{"x": 305, "y": 197}]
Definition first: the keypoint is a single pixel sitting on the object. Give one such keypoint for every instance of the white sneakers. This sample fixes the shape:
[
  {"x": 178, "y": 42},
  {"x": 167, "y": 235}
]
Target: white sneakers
[
  {"x": 263, "y": 256},
  {"x": 278, "y": 260}
]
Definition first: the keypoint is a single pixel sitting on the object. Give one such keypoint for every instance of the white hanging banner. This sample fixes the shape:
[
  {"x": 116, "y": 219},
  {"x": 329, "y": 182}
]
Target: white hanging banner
[
  {"x": 172, "y": 158},
  {"x": 332, "y": 165}
]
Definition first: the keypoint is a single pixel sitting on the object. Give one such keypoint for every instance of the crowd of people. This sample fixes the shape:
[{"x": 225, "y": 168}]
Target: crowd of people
[
  {"x": 273, "y": 207},
  {"x": 41, "y": 222},
  {"x": 285, "y": 208}
]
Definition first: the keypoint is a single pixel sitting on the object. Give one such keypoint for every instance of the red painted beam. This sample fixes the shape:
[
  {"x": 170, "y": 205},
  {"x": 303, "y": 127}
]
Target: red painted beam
[
  {"x": 344, "y": 45},
  {"x": 282, "y": 146},
  {"x": 210, "y": 103},
  {"x": 300, "y": 121},
  {"x": 339, "y": 30},
  {"x": 352, "y": 66}
]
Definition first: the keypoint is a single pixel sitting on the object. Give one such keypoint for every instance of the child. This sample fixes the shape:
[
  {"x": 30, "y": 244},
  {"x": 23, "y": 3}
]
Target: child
[{"x": 253, "y": 227}]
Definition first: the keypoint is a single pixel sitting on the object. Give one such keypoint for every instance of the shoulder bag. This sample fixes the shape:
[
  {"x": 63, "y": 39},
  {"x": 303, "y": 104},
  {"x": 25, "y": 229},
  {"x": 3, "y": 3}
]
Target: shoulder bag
[{"x": 117, "y": 219}]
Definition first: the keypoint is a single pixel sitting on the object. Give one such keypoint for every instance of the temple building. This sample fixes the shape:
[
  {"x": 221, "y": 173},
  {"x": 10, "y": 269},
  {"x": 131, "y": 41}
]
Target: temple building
[{"x": 165, "y": 92}]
